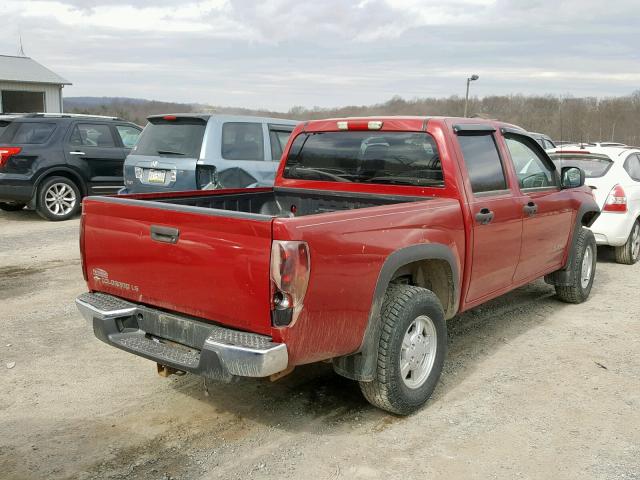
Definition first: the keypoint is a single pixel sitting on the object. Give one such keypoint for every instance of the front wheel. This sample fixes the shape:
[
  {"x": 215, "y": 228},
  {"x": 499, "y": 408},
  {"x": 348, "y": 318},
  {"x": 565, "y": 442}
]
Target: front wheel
[
  {"x": 58, "y": 199},
  {"x": 629, "y": 253},
  {"x": 582, "y": 267},
  {"x": 411, "y": 350}
]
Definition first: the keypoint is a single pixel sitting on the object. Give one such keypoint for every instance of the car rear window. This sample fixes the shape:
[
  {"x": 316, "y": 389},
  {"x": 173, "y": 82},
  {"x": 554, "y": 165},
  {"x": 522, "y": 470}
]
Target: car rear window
[
  {"x": 403, "y": 158},
  {"x": 3, "y": 127},
  {"x": 28, "y": 132},
  {"x": 181, "y": 137},
  {"x": 593, "y": 165}
]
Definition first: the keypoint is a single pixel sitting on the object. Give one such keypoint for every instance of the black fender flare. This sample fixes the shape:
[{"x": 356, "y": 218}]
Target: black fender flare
[
  {"x": 81, "y": 182},
  {"x": 564, "y": 276},
  {"x": 361, "y": 365}
]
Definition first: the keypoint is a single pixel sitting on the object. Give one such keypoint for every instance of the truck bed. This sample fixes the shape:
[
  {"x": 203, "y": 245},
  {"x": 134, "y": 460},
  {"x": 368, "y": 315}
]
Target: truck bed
[{"x": 276, "y": 202}]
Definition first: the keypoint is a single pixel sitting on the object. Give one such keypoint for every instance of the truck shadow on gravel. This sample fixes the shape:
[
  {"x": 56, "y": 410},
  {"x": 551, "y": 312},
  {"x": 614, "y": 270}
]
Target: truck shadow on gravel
[{"x": 313, "y": 397}]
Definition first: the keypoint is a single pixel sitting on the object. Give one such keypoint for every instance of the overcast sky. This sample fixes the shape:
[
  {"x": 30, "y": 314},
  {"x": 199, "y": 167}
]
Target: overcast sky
[{"x": 280, "y": 53}]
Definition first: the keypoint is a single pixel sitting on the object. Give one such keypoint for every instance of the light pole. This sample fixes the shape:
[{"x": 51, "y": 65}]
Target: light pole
[{"x": 472, "y": 78}]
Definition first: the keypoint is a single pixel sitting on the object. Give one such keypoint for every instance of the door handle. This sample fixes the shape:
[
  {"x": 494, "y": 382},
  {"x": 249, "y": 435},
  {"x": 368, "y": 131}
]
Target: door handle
[
  {"x": 77, "y": 153},
  {"x": 531, "y": 209},
  {"x": 484, "y": 216},
  {"x": 164, "y": 234}
]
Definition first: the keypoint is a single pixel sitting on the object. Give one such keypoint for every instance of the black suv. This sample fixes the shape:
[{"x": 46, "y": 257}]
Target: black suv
[{"x": 50, "y": 161}]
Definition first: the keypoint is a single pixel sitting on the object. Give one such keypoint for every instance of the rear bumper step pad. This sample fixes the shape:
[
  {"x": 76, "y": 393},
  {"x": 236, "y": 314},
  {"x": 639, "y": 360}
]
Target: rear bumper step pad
[{"x": 181, "y": 342}]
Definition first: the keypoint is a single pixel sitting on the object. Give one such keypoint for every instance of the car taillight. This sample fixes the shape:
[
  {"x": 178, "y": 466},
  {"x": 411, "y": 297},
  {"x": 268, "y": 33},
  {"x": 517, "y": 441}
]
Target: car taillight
[
  {"x": 616, "y": 201},
  {"x": 290, "y": 269},
  {"x": 207, "y": 177},
  {"x": 6, "y": 153}
]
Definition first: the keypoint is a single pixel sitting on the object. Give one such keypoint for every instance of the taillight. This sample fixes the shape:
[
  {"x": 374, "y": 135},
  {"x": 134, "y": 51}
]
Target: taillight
[
  {"x": 290, "y": 268},
  {"x": 6, "y": 153},
  {"x": 616, "y": 201}
]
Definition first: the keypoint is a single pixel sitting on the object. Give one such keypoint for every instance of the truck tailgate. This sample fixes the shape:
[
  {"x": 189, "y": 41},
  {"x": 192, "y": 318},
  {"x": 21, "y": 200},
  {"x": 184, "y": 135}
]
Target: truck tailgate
[{"x": 217, "y": 268}]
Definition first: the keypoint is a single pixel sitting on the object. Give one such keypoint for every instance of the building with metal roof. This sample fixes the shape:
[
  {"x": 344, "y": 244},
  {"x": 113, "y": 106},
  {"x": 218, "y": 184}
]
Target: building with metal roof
[{"x": 27, "y": 86}]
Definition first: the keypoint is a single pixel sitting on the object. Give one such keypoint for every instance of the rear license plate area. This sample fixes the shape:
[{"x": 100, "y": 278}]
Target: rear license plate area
[{"x": 156, "y": 176}]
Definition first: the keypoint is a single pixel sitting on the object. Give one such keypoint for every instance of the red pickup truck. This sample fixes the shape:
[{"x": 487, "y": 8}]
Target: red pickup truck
[{"x": 376, "y": 232}]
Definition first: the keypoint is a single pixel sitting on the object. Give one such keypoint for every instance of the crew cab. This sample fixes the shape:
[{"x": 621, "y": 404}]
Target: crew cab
[{"x": 376, "y": 232}]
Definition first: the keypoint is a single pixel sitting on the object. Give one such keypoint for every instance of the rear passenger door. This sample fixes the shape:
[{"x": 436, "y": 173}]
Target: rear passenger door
[
  {"x": 94, "y": 149},
  {"x": 496, "y": 214},
  {"x": 547, "y": 210}
]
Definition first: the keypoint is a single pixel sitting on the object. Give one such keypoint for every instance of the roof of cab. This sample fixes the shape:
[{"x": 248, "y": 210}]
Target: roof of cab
[{"x": 407, "y": 122}]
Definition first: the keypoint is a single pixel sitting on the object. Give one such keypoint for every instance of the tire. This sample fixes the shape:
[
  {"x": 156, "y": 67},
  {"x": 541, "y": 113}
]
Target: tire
[
  {"x": 11, "y": 207},
  {"x": 58, "y": 199},
  {"x": 405, "y": 308},
  {"x": 629, "y": 253},
  {"x": 583, "y": 269}
]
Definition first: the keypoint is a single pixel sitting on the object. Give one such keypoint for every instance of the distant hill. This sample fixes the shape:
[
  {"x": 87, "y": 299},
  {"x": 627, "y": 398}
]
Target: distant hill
[
  {"x": 563, "y": 118},
  {"x": 133, "y": 109}
]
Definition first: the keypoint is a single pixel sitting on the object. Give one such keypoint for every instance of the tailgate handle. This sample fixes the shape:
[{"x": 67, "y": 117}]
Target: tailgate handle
[{"x": 164, "y": 234}]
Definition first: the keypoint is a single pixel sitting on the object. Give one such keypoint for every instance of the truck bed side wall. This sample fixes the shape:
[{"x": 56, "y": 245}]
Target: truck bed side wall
[{"x": 348, "y": 250}]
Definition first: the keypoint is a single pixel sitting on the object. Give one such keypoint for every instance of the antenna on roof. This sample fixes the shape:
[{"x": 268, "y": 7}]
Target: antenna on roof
[{"x": 21, "y": 48}]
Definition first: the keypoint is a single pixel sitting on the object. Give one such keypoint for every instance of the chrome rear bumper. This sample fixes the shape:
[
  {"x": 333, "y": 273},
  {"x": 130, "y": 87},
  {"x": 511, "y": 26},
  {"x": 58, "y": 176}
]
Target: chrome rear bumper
[{"x": 180, "y": 342}]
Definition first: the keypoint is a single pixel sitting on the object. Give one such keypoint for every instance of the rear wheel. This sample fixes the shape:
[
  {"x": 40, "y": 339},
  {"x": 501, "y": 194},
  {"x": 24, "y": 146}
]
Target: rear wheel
[
  {"x": 582, "y": 267},
  {"x": 11, "y": 207},
  {"x": 58, "y": 199},
  {"x": 630, "y": 251},
  {"x": 411, "y": 351}
]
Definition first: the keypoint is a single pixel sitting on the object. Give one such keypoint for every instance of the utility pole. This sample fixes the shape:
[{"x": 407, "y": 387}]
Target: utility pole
[{"x": 472, "y": 78}]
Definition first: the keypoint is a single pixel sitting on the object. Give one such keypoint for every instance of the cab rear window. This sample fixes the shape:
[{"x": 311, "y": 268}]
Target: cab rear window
[
  {"x": 593, "y": 165},
  {"x": 402, "y": 158},
  {"x": 178, "y": 138}
]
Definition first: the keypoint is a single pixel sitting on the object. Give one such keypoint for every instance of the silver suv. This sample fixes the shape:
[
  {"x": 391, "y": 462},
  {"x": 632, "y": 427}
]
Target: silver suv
[{"x": 201, "y": 152}]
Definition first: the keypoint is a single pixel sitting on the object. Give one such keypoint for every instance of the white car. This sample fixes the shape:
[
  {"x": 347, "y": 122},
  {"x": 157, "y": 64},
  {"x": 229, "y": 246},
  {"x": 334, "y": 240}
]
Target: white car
[{"x": 614, "y": 175}]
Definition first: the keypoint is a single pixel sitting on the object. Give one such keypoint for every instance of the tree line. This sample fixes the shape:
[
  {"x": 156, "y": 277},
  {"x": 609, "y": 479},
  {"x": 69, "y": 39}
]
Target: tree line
[{"x": 561, "y": 117}]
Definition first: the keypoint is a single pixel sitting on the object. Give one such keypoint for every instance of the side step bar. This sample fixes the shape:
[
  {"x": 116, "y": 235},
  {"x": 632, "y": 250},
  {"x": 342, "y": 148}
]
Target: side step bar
[{"x": 181, "y": 342}]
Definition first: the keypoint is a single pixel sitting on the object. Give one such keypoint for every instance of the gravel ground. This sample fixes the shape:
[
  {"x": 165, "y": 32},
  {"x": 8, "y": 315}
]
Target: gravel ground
[{"x": 532, "y": 388}]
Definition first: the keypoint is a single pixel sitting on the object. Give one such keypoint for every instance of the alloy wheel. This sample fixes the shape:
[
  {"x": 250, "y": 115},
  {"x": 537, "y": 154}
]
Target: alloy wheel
[
  {"x": 60, "y": 199},
  {"x": 418, "y": 352}
]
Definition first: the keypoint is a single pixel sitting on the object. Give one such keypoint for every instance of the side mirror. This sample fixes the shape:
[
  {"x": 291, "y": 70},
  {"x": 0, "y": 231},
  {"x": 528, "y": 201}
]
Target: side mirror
[{"x": 572, "y": 177}]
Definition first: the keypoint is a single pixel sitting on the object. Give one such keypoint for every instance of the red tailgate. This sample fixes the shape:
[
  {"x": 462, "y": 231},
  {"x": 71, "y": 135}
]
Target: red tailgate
[{"x": 218, "y": 269}]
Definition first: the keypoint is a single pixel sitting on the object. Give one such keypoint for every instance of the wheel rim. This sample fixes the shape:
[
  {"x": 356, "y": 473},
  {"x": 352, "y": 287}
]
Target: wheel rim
[
  {"x": 587, "y": 267},
  {"x": 60, "y": 199},
  {"x": 418, "y": 352},
  {"x": 635, "y": 241}
]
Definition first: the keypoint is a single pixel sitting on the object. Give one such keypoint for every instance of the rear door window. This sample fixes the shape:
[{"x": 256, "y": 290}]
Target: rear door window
[
  {"x": 483, "y": 163},
  {"x": 178, "y": 138},
  {"x": 278, "y": 136},
  {"x": 242, "y": 141},
  {"x": 402, "y": 158},
  {"x": 33, "y": 132},
  {"x": 129, "y": 135},
  {"x": 92, "y": 135}
]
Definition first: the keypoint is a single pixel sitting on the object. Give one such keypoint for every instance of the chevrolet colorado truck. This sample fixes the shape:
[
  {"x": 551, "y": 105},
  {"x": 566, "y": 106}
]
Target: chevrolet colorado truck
[{"x": 376, "y": 232}]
